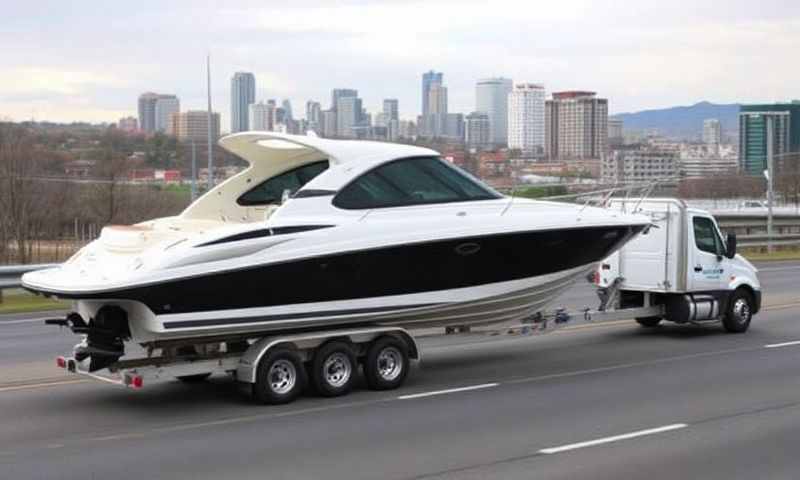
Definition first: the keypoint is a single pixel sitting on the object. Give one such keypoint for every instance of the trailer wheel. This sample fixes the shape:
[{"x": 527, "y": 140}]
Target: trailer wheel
[
  {"x": 200, "y": 377},
  {"x": 648, "y": 322},
  {"x": 386, "y": 364},
  {"x": 740, "y": 312},
  {"x": 333, "y": 369},
  {"x": 281, "y": 377}
]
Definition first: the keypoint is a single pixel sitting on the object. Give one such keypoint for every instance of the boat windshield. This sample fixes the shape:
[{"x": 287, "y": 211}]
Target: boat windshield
[
  {"x": 412, "y": 181},
  {"x": 271, "y": 191}
]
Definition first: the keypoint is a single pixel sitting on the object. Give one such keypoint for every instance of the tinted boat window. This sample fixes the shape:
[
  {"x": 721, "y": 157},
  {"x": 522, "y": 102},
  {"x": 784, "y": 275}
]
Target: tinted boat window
[
  {"x": 271, "y": 190},
  {"x": 411, "y": 181}
]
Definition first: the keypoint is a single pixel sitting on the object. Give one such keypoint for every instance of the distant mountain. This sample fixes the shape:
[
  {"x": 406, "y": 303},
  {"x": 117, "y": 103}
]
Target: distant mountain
[{"x": 683, "y": 122}]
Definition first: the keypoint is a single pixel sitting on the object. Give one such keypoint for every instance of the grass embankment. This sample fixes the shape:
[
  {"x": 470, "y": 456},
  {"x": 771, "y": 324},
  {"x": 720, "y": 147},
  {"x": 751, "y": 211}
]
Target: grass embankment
[
  {"x": 26, "y": 302},
  {"x": 777, "y": 255}
]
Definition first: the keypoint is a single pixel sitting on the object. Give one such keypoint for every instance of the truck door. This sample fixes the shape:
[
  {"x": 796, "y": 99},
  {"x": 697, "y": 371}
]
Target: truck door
[{"x": 707, "y": 264}]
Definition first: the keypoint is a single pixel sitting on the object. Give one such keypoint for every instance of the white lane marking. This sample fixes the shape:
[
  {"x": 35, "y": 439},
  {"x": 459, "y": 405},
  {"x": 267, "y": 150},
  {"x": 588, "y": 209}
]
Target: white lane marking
[
  {"x": 33, "y": 386},
  {"x": 26, "y": 320},
  {"x": 451, "y": 390},
  {"x": 784, "y": 344},
  {"x": 615, "y": 438}
]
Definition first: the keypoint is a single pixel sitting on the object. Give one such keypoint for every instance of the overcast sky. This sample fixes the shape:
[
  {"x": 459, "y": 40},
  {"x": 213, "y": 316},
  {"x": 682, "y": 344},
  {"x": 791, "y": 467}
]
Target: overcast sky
[{"x": 80, "y": 60}]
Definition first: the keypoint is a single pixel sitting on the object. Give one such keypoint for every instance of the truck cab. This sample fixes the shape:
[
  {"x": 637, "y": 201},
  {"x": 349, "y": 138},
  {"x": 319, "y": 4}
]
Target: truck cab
[{"x": 684, "y": 263}]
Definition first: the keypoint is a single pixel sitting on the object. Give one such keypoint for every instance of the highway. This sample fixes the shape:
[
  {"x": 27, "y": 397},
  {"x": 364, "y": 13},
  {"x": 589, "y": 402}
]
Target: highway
[{"x": 594, "y": 401}]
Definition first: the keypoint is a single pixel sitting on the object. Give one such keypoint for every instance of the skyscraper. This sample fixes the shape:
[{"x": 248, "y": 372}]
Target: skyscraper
[
  {"x": 390, "y": 109},
  {"x": 262, "y": 116},
  {"x": 476, "y": 130},
  {"x": 147, "y": 112},
  {"x": 165, "y": 106},
  {"x": 313, "y": 116},
  {"x": 712, "y": 133},
  {"x": 491, "y": 98},
  {"x": 576, "y": 126},
  {"x": 348, "y": 116},
  {"x": 526, "y": 118},
  {"x": 437, "y": 99},
  {"x": 753, "y": 138},
  {"x": 287, "y": 110},
  {"x": 428, "y": 79},
  {"x": 340, "y": 93},
  {"x": 615, "y": 135},
  {"x": 243, "y": 93}
]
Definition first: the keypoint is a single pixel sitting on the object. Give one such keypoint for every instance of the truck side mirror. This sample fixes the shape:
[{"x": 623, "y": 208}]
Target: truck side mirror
[{"x": 730, "y": 251}]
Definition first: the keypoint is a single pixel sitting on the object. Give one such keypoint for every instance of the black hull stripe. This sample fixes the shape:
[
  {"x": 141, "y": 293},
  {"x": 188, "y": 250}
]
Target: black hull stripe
[{"x": 288, "y": 316}]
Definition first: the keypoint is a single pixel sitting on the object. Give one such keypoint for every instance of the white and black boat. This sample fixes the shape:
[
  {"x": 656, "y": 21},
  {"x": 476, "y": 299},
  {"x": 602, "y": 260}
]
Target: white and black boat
[{"x": 327, "y": 233}]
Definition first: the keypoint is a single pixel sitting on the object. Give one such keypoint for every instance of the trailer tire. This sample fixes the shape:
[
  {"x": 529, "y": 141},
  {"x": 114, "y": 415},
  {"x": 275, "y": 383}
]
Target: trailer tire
[
  {"x": 648, "y": 322},
  {"x": 740, "y": 312},
  {"x": 197, "y": 378},
  {"x": 280, "y": 378},
  {"x": 334, "y": 369},
  {"x": 386, "y": 363}
]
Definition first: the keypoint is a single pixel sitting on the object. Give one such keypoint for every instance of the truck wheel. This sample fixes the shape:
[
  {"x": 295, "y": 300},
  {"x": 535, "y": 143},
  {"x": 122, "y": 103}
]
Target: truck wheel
[
  {"x": 200, "y": 377},
  {"x": 740, "y": 312},
  {"x": 648, "y": 322},
  {"x": 386, "y": 364},
  {"x": 281, "y": 377},
  {"x": 333, "y": 369}
]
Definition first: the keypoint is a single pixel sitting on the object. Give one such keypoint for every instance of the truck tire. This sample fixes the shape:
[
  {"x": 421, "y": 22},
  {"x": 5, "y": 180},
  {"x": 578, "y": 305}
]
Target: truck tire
[
  {"x": 386, "y": 364},
  {"x": 280, "y": 378},
  {"x": 333, "y": 369},
  {"x": 740, "y": 312},
  {"x": 648, "y": 322},
  {"x": 197, "y": 378}
]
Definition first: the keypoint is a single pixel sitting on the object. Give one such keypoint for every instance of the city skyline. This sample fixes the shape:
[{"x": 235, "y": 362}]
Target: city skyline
[{"x": 636, "y": 65}]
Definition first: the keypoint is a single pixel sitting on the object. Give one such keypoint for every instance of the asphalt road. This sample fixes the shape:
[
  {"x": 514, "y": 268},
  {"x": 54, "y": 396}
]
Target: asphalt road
[{"x": 597, "y": 401}]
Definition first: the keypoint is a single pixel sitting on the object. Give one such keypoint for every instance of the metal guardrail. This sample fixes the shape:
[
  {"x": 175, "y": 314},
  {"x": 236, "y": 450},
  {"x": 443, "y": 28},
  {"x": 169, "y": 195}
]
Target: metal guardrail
[{"x": 11, "y": 275}]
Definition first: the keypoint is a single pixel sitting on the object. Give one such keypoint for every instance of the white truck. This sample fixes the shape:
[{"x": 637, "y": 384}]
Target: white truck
[
  {"x": 682, "y": 268},
  {"x": 679, "y": 270}
]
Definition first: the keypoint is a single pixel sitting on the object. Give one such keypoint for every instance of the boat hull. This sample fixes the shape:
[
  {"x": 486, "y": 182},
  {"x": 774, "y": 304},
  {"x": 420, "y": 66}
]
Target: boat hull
[{"x": 464, "y": 281}]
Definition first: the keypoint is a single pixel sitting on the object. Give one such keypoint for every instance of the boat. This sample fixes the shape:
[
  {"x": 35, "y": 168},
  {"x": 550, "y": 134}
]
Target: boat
[{"x": 322, "y": 233}]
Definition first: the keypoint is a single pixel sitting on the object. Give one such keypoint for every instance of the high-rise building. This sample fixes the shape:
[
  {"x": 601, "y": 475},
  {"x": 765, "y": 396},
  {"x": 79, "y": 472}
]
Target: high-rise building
[
  {"x": 328, "y": 126},
  {"x": 338, "y": 93},
  {"x": 526, "y": 119},
  {"x": 576, "y": 126},
  {"x": 243, "y": 93},
  {"x": 437, "y": 99},
  {"x": 165, "y": 106},
  {"x": 313, "y": 116},
  {"x": 753, "y": 119},
  {"x": 262, "y": 116},
  {"x": 128, "y": 124},
  {"x": 616, "y": 137},
  {"x": 348, "y": 116},
  {"x": 147, "y": 112},
  {"x": 428, "y": 79},
  {"x": 476, "y": 130},
  {"x": 193, "y": 125},
  {"x": 491, "y": 98},
  {"x": 287, "y": 110},
  {"x": 390, "y": 109},
  {"x": 712, "y": 132}
]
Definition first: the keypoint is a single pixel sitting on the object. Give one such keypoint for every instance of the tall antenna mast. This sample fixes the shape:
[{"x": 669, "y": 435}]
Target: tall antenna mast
[{"x": 210, "y": 117}]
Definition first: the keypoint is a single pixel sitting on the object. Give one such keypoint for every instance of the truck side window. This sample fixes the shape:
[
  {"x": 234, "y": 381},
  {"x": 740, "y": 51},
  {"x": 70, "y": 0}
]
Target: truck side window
[{"x": 705, "y": 235}]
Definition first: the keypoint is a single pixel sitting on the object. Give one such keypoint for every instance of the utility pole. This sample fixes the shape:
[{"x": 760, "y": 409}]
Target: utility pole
[
  {"x": 194, "y": 171},
  {"x": 210, "y": 116},
  {"x": 770, "y": 179}
]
